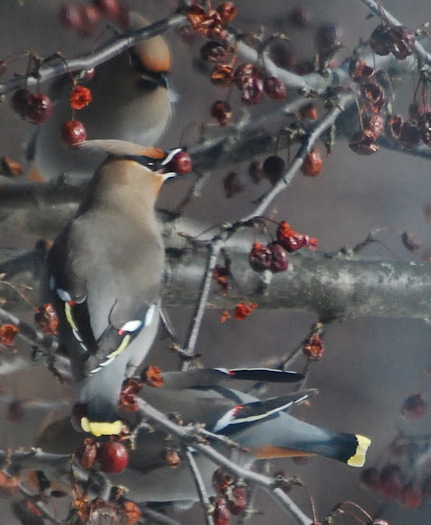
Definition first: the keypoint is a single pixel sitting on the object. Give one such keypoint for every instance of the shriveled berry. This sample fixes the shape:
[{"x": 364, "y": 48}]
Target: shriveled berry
[
  {"x": 260, "y": 257},
  {"x": 370, "y": 477},
  {"x": 113, "y": 457},
  {"x": 274, "y": 88},
  {"x": 221, "y": 480},
  {"x": 46, "y": 319},
  {"x": 363, "y": 142},
  {"x": 313, "y": 349},
  {"x": 86, "y": 453},
  {"x": 312, "y": 164},
  {"x": 414, "y": 407},
  {"x": 243, "y": 73},
  {"x": 237, "y": 500},
  {"x": 214, "y": 51},
  {"x": 8, "y": 333},
  {"x": 380, "y": 41},
  {"x": 221, "y": 514},
  {"x": 221, "y": 111},
  {"x": 71, "y": 17},
  {"x": 273, "y": 168},
  {"x": 328, "y": 38},
  {"x": 376, "y": 124},
  {"x": 402, "y": 41},
  {"x": 15, "y": 411},
  {"x": 409, "y": 136},
  {"x": 109, "y": 8},
  {"x": 424, "y": 126},
  {"x": 255, "y": 171},
  {"x": 391, "y": 482},
  {"x": 227, "y": 12},
  {"x": 411, "y": 496},
  {"x": 152, "y": 376},
  {"x": 232, "y": 184},
  {"x": 252, "y": 90},
  {"x": 39, "y": 108},
  {"x": 374, "y": 96},
  {"x": 19, "y": 101},
  {"x": 222, "y": 75},
  {"x": 73, "y": 132},
  {"x": 299, "y": 17},
  {"x": 279, "y": 260}
]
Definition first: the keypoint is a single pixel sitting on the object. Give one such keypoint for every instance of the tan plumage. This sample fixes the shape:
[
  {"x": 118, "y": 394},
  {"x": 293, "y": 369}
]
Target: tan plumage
[{"x": 131, "y": 102}]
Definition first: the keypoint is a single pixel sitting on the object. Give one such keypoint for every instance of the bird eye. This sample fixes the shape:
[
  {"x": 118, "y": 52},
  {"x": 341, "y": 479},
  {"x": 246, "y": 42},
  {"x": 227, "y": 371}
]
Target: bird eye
[{"x": 180, "y": 163}]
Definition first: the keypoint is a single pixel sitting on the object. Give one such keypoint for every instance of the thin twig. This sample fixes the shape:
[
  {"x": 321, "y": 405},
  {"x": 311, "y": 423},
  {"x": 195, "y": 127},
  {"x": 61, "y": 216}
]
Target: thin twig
[{"x": 200, "y": 486}]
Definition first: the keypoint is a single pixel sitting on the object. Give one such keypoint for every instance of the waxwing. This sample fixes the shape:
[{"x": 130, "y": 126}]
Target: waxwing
[
  {"x": 131, "y": 101},
  {"x": 104, "y": 274},
  {"x": 262, "y": 426}
]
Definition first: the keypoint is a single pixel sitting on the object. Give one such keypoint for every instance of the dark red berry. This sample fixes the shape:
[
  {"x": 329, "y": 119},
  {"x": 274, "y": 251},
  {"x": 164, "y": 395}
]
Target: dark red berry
[
  {"x": 232, "y": 184},
  {"x": 90, "y": 18},
  {"x": 39, "y": 108},
  {"x": 328, "y": 39},
  {"x": 282, "y": 55},
  {"x": 181, "y": 163},
  {"x": 424, "y": 126},
  {"x": 402, "y": 41},
  {"x": 221, "y": 111},
  {"x": 414, "y": 407},
  {"x": 15, "y": 411},
  {"x": 274, "y": 88},
  {"x": 221, "y": 514},
  {"x": 380, "y": 42},
  {"x": 299, "y": 17},
  {"x": 370, "y": 478},
  {"x": 86, "y": 453},
  {"x": 237, "y": 500},
  {"x": 113, "y": 457},
  {"x": 108, "y": 8},
  {"x": 19, "y": 101},
  {"x": 73, "y": 132},
  {"x": 214, "y": 51},
  {"x": 409, "y": 135},
  {"x": 279, "y": 260},
  {"x": 411, "y": 496},
  {"x": 363, "y": 143},
  {"x": 221, "y": 480},
  {"x": 273, "y": 168},
  {"x": 252, "y": 90},
  {"x": 260, "y": 257},
  {"x": 71, "y": 17},
  {"x": 391, "y": 482}
]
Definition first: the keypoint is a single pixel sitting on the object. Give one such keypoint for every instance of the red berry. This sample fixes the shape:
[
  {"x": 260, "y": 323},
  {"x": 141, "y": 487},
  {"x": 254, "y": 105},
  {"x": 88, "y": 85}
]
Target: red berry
[
  {"x": 414, "y": 407},
  {"x": 391, "y": 482},
  {"x": 274, "y": 88},
  {"x": 113, "y": 457},
  {"x": 221, "y": 514},
  {"x": 411, "y": 496},
  {"x": 109, "y": 8},
  {"x": 252, "y": 90},
  {"x": 90, "y": 17},
  {"x": 370, "y": 478},
  {"x": 221, "y": 111},
  {"x": 237, "y": 500},
  {"x": 73, "y": 132},
  {"x": 181, "y": 163},
  {"x": 279, "y": 260},
  {"x": 363, "y": 142},
  {"x": 39, "y": 108},
  {"x": 19, "y": 101},
  {"x": 260, "y": 257},
  {"x": 312, "y": 164}
]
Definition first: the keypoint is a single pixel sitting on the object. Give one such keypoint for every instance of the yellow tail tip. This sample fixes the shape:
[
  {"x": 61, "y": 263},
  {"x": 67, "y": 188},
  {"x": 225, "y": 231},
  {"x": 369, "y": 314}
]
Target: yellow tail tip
[
  {"x": 358, "y": 459},
  {"x": 101, "y": 428}
]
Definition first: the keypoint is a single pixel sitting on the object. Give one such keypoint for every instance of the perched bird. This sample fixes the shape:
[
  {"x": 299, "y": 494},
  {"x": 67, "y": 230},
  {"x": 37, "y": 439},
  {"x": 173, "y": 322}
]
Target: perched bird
[
  {"x": 197, "y": 396},
  {"x": 131, "y": 101},
  {"x": 104, "y": 273}
]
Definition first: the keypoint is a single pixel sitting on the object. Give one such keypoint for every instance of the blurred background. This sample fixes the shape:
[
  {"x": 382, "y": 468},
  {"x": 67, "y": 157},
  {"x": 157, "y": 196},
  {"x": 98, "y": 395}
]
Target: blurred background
[{"x": 370, "y": 365}]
